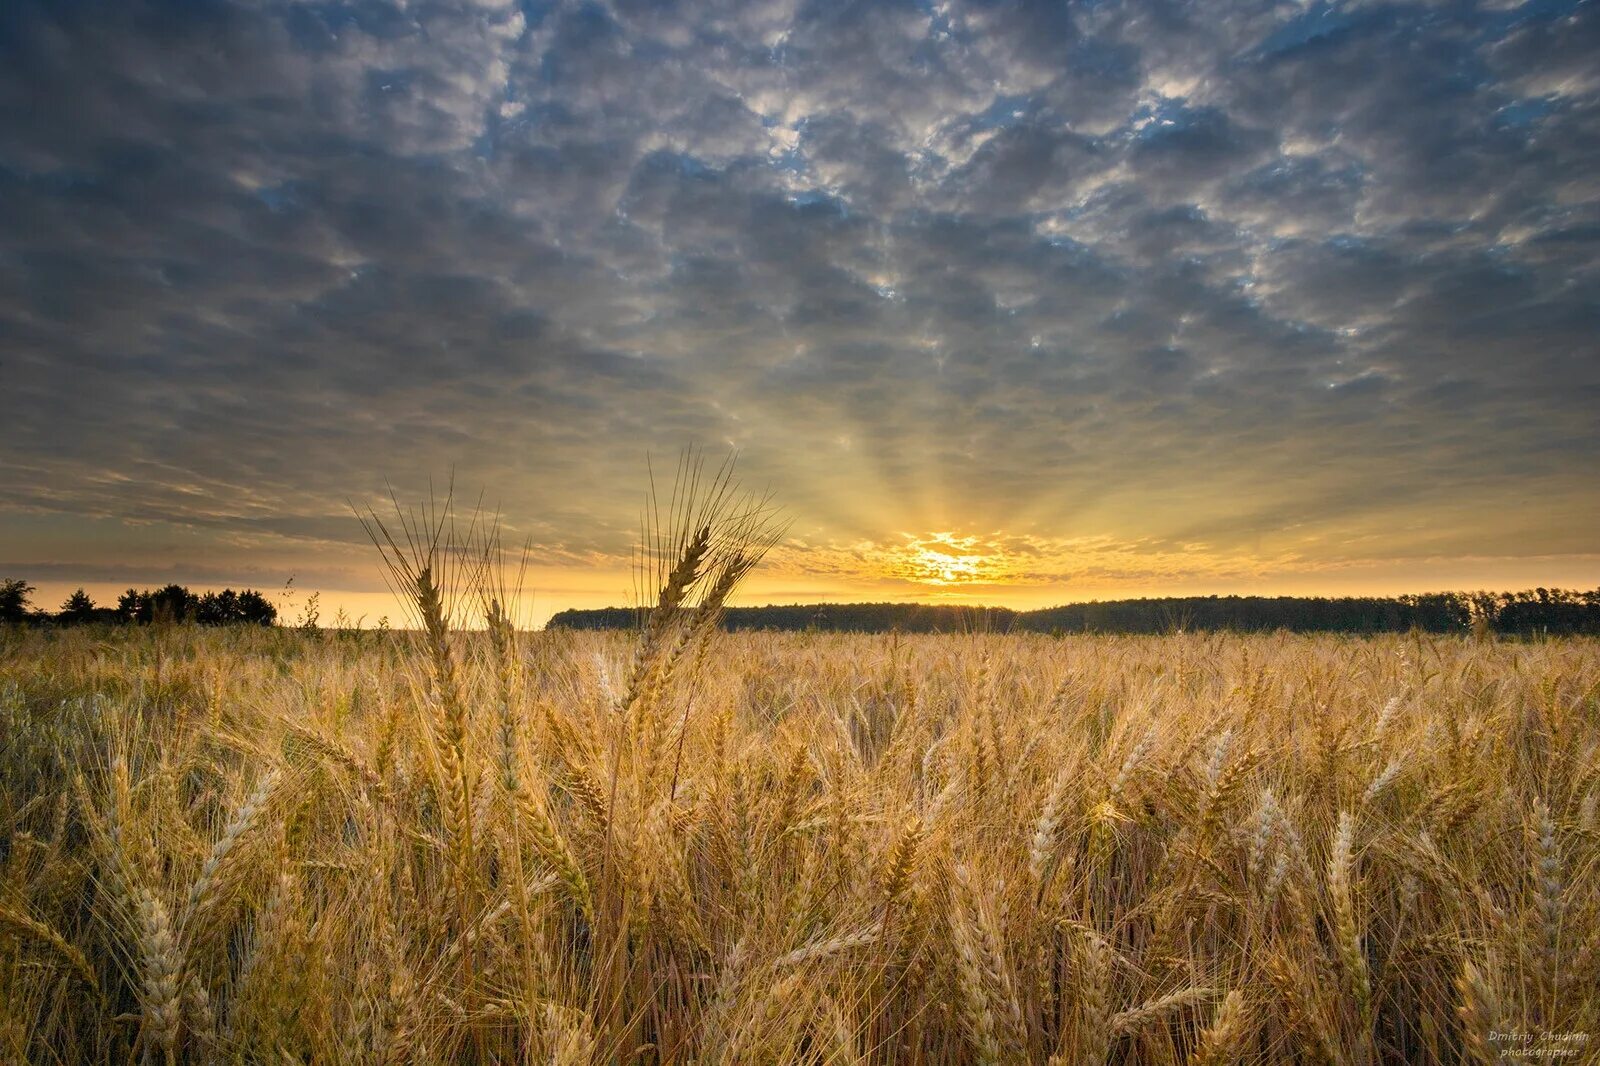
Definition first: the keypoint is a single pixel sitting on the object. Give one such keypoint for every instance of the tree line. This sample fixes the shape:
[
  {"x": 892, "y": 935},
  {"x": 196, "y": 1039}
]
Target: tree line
[
  {"x": 1527, "y": 613},
  {"x": 171, "y": 603}
]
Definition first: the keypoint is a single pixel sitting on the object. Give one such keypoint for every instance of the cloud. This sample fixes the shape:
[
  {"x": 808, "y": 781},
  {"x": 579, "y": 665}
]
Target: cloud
[{"x": 1153, "y": 273}]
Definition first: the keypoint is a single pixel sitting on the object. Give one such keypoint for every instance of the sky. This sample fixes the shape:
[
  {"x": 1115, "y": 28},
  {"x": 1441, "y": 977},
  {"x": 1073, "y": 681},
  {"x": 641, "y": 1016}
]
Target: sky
[{"x": 1004, "y": 303}]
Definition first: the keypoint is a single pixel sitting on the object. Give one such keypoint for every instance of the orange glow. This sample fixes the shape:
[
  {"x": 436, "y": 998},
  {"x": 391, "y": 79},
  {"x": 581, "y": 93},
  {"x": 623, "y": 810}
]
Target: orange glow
[{"x": 946, "y": 559}]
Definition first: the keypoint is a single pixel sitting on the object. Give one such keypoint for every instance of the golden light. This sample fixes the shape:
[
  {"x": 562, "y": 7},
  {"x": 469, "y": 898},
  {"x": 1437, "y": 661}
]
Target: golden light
[
  {"x": 938, "y": 568},
  {"x": 945, "y": 559}
]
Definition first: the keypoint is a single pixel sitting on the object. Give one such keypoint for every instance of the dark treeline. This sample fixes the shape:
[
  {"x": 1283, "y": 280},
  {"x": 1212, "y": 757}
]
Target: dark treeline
[
  {"x": 844, "y": 617},
  {"x": 171, "y": 603},
  {"x": 177, "y": 604},
  {"x": 1556, "y": 611}
]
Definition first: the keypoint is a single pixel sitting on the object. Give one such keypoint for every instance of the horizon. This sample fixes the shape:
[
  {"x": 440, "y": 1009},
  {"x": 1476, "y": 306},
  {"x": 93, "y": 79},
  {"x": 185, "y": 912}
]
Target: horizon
[
  {"x": 1018, "y": 304},
  {"x": 531, "y": 617}
]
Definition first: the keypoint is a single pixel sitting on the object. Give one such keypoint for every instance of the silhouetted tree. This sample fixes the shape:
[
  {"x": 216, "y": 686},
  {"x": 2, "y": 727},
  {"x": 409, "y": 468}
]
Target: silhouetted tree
[
  {"x": 217, "y": 608},
  {"x": 14, "y": 593},
  {"x": 228, "y": 608},
  {"x": 174, "y": 603},
  {"x": 255, "y": 609},
  {"x": 171, "y": 603},
  {"x": 131, "y": 607},
  {"x": 77, "y": 609}
]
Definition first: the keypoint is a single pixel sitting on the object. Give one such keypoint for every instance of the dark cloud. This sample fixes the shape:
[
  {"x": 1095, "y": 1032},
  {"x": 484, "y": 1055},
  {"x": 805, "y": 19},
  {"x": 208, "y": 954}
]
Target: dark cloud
[{"x": 932, "y": 267}]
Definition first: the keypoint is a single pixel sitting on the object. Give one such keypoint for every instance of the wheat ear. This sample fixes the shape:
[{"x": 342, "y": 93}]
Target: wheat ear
[{"x": 1218, "y": 1045}]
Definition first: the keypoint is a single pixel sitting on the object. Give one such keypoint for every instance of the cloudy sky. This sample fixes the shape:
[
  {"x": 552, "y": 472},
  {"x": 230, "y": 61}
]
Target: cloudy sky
[{"x": 1019, "y": 303}]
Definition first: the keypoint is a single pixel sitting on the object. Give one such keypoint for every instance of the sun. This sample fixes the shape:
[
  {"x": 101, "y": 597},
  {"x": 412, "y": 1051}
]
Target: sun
[
  {"x": 941, "y": 568},
  {"x": 945, "y": 559}
]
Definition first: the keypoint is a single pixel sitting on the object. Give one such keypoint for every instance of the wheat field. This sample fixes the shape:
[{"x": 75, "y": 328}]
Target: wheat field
[{"x": 493, "y": 846}]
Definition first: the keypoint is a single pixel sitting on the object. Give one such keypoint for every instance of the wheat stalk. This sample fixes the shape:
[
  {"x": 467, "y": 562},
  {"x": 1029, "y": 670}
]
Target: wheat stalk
[
  {"x": 1346, "y": 929},
  {"x": 17, "y": 917}
]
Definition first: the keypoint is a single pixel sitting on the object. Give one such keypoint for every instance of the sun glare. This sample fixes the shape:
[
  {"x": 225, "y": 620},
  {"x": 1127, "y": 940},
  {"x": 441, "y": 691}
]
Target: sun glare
[
  {"x": 940, "y": 568},
  {"x": 944, "y": 559}
]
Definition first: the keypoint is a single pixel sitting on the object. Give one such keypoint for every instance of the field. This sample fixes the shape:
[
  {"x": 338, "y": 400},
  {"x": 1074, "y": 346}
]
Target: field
[{"x": 492, "y": 846}]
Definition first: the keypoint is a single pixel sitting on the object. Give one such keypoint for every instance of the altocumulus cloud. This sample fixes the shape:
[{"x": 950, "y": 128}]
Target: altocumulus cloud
[{"x": 1183, "y": 276}]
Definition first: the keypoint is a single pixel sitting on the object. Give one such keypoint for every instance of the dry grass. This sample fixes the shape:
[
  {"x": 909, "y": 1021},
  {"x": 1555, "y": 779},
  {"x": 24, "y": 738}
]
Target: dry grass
[{"x": 684, "y": 846}]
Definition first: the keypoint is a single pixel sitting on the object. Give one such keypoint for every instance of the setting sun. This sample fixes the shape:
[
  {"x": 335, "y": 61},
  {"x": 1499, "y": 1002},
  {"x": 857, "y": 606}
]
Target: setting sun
[
  {"x": 937, "y": 568},
  {"x": 945, "y": 559}
]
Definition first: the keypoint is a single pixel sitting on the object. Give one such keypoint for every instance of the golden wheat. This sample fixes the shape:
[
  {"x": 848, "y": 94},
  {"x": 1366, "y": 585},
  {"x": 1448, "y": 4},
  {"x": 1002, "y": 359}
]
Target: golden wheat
[{"x": 459, "y": 845}]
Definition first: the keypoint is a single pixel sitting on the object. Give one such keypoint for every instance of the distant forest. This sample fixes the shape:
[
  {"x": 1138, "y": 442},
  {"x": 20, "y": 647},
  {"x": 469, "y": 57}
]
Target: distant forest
[
  {"x": 1537, "y": 611},
  {"x": 1529, "y": 613},
  {"x": 171, "y": 603}
]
